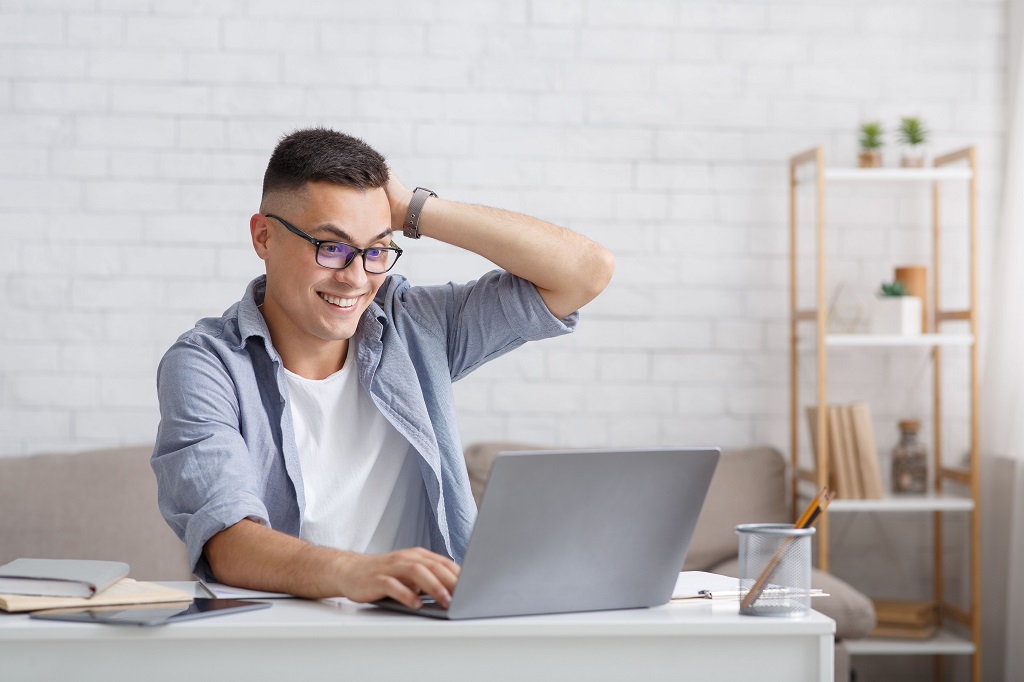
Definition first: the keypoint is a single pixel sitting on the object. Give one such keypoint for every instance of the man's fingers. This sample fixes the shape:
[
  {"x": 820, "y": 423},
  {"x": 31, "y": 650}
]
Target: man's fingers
[
  {"x": 428, "y": 582},
  {"x": 400, "y": 592},
  {"x": 446, "y": 575},
  {"x": 446, "y": 570},
  {"x": 439, "y": 558}
]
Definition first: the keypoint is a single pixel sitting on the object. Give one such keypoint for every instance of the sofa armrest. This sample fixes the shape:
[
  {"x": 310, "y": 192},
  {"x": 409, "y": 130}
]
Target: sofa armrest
[
  {"x": 480, "y": 458},
  {"x": 91, "y": 505},
  {"x": 749, "y": 486}
]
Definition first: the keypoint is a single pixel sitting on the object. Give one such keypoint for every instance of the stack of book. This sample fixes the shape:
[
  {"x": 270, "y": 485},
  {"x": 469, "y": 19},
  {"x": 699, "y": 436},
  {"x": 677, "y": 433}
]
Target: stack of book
[
  {"x": 41, "y": 584},
  {"x": 905, "y": 619},
  {"x": 852, "y": 453}
]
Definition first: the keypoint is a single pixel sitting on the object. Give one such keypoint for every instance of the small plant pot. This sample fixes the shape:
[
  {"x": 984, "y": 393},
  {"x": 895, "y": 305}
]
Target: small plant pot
[
  {"x": 912, "y": 157},
  {"x": 870, "y": 159},
  {"x": 896, "y": 315}
]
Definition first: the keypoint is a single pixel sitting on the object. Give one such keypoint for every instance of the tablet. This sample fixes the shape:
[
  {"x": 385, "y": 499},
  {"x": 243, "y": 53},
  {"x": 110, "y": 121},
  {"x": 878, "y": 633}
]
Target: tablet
[{"x": 152, "y": 614}]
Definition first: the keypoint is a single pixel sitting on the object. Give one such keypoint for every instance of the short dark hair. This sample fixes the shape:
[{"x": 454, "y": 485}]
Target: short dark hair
[{"x": 324, "y": 155}]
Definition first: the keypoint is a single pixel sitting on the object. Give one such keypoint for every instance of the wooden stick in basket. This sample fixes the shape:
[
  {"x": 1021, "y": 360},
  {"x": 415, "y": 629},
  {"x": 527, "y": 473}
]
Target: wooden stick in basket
[{"x": 806, "y": 520}]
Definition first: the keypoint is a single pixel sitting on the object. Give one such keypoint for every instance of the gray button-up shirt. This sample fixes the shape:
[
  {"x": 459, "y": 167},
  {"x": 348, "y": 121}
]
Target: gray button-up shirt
[{"x": 225, "y": 449}]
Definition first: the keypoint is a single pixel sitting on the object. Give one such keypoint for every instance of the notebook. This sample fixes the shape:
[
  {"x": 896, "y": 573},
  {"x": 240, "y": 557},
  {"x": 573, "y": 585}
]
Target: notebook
[
  {"x": 579, "y": 530},
  {"x": 60, "y": 577}
]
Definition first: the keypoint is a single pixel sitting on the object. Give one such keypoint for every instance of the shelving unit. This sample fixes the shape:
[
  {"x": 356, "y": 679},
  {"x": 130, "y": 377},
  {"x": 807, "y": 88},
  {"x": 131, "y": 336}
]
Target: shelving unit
[{"x": 808, "y": 168}]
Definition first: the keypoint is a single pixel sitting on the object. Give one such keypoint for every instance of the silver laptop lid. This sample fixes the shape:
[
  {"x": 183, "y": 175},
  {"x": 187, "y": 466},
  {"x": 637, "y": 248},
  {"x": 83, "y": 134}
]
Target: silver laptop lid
[{"x": 582, "y": 530}]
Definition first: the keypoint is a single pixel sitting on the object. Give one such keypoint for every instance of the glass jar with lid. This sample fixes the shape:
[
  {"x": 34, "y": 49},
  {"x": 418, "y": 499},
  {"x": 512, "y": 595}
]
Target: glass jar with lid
[{"x": 909, "y": 460}]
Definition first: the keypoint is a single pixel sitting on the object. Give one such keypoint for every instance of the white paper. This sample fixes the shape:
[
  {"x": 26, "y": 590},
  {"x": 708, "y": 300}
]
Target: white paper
[
  {"x": 693, "y": 584},
  {"x": 222, "y": 591},
  {"x": 702, "y": 585}
]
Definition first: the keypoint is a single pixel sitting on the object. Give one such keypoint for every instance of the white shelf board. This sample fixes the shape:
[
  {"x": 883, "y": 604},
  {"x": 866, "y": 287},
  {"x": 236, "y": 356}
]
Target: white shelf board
[
  {"x": 929, "y": 502},
  {"x": 847, "y": 174},
  {"x": 944, "y": 642},
  {"x": 905, "y": 503},
  {"x": 925, "y": 340}
]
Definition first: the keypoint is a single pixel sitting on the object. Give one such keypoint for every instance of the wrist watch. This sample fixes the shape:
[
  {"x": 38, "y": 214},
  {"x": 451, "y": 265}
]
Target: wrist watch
[{"x": 411, "y": 228}]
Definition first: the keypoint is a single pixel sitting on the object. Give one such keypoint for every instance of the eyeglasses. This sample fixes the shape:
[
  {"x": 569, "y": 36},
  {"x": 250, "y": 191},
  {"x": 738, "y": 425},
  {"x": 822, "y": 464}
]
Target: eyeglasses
[{"x": 338, "y": 255}]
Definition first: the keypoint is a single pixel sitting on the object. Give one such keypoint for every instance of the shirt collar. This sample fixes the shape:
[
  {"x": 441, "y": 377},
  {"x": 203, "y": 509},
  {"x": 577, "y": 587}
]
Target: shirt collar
[
  {"x": 250, "y": 319},
  {"x": 251, "y": 322}
]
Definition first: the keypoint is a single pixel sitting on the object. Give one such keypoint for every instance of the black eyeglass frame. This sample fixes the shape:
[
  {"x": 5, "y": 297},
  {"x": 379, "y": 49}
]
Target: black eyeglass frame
[{"x": 356, "y": 251}]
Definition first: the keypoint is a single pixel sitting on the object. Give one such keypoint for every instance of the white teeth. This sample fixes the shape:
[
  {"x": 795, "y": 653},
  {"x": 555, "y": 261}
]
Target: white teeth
[{"x": 340, "y": 302}]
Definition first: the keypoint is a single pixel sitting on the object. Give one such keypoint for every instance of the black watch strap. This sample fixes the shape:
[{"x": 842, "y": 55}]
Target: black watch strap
[{"x": 411, "y": 228}]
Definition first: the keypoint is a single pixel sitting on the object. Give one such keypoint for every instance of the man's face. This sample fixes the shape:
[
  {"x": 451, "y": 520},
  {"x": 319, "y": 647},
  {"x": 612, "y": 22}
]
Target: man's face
[{"x": 306, "y": 303}]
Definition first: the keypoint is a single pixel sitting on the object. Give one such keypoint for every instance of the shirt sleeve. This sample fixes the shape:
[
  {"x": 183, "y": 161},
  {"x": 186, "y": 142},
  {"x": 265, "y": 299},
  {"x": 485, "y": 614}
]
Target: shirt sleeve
[
  {"x": 483, "y": 319},
  {"x": 204, "y": 475}
]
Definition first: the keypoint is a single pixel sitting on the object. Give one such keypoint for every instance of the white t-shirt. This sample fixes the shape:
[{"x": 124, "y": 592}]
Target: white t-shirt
[{"x": 364, "y": 491}]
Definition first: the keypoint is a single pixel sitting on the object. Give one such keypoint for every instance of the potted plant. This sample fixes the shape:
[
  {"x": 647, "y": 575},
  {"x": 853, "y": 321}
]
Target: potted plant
[
  {"x": 912, "y": 135},
  {"x": 870, "y": 145},
  {"x": 894, "y": 312}
]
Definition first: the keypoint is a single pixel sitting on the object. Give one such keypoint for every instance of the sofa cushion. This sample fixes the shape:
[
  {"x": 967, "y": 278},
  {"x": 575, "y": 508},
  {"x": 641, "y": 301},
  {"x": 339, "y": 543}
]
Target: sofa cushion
[
  {"x": 749, "y": 486},
  {"x": 92, "y": 505},
  {"x": 480, "y": 458},
  {"x": 853, "y": 612}
]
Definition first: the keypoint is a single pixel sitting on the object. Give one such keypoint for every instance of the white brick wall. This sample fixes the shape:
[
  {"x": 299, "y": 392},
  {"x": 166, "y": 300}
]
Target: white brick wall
[{"x": 133, "y": 137}]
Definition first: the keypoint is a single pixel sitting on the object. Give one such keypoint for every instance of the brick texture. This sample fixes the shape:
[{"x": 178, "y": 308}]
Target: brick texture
[{"x": 133, "y": 137}]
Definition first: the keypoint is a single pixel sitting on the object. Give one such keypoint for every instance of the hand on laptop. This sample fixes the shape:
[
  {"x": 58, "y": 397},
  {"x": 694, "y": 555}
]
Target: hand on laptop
[
  {"x": 402, "y": 575},
  {"x": 253, "y": 556}
]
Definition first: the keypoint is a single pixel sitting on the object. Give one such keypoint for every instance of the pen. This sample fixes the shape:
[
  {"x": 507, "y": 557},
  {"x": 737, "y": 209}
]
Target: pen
[{"x": 806, "y": 520}]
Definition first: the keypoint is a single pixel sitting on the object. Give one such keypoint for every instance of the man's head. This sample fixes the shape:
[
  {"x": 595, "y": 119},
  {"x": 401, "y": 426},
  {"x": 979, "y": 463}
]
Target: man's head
[
  {"x": 323, "y": 155},
  {"x": 330, "y": 186}
]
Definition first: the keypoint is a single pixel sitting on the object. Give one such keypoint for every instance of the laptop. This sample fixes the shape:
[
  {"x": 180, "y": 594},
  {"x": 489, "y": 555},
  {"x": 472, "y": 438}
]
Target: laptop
[{"x": 578, "y": 530}]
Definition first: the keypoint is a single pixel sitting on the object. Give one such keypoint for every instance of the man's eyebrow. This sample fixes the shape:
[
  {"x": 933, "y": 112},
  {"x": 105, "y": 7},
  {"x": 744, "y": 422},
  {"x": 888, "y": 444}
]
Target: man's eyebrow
[{"x": 342, "y": 235}]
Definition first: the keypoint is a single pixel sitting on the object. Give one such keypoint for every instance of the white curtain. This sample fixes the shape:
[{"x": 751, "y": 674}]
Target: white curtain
[{"x": 1002, "y": 398}]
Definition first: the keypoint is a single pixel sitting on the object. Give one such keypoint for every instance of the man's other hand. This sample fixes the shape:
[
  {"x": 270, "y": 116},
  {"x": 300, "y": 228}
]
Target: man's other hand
[{"x": 402, "y": 575}]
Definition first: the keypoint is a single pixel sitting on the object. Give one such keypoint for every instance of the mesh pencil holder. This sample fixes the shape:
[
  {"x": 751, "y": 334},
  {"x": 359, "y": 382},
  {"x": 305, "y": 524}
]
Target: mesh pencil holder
[{"x": 775, "y": 563}]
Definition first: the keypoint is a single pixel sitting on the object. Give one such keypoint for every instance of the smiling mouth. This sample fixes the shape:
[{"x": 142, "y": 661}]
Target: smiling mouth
[{"x": 339, "y": 302}]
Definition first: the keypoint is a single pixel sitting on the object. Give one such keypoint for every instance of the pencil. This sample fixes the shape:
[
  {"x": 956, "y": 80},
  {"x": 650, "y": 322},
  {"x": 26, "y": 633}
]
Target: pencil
[
  {"x": 802, "y": 520},
  {"x": 806, "y": 520},
  {"x": 822, "y": 505}
]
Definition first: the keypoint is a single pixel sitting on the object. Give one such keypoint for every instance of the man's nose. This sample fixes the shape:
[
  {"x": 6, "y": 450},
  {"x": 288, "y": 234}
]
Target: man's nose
[{"x": 354, "y": 275}]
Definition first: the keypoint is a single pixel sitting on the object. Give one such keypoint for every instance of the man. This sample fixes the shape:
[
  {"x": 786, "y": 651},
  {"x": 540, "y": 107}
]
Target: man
[{"x": 307, "y": 441}]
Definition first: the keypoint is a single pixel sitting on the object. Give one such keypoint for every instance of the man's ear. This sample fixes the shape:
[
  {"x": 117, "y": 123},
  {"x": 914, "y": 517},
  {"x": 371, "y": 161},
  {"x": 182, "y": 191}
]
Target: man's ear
[{"x": 259, "y": 228}]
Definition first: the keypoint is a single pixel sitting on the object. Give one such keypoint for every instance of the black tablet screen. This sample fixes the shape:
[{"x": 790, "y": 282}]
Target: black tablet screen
[{"x": 152, "y": 614}]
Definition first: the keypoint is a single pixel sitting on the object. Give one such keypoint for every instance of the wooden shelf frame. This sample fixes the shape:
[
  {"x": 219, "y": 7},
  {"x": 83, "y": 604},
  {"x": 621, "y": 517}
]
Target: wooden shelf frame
[{"x": 956, "y": 167}]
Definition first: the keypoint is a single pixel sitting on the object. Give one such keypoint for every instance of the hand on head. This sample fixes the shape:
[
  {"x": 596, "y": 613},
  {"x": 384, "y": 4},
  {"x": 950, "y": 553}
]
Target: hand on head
[{"x": 398, "y": 198}]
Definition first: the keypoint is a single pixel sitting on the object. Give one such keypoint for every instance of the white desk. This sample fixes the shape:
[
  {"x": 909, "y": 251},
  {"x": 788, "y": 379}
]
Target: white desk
[{"x": 301, "y": 640}]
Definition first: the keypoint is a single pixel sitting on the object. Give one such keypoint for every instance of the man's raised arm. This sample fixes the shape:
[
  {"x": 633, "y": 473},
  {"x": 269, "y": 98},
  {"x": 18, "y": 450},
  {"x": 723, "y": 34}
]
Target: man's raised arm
[{"x": 568, "y": 269}]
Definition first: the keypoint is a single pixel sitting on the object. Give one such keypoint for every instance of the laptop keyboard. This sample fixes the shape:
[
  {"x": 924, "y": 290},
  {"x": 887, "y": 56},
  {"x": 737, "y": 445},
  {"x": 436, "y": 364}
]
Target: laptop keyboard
[{"x": 431, "y": 604}]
